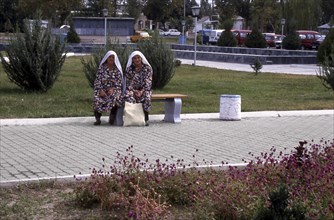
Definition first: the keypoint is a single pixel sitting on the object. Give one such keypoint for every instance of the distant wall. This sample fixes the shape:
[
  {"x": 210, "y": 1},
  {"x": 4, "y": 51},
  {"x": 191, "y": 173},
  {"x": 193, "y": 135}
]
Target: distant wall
[{"x": 94, "y": 26}]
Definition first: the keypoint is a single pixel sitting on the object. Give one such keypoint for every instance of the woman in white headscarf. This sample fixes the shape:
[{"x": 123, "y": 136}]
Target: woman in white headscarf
[
  {"x": 108, "y": 87},
  {"x": 138, "y": 77}
]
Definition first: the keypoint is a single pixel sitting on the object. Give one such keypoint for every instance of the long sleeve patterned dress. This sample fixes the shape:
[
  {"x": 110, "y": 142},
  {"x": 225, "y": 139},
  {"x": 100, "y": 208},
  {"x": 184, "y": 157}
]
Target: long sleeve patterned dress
[
  {"x": 139, "y": 80},
  {"x": 105, "y": 79}
]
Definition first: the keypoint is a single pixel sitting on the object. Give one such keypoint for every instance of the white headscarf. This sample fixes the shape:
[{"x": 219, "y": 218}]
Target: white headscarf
[
  {"x": 135, "y": 53},
  {"x": 116, "y": 60}
]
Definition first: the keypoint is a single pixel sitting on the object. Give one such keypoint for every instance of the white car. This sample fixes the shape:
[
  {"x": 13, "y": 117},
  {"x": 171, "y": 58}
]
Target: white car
[
  {"x": 172, "y": 32},
  {"x": 161, "y": 32}
]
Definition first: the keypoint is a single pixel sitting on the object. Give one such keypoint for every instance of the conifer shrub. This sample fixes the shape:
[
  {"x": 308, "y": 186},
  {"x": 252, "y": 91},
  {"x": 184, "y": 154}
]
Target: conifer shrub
[
  {"x": 159, "y": 55},
  {"x": 291, "y": 41},
  {"x": 326, "y": 70},
  {"x": 35, "y": 58},
  {"x": 227, "y": 39},
  {"x": 161, "y": 58},
  {"x": 72, "y": 36},
  {"x": 255, "y": 39},
  {"x": 256, "y": 66},
  {"x": 326, "y": 48},
  {"x": 91, "y": 64}
]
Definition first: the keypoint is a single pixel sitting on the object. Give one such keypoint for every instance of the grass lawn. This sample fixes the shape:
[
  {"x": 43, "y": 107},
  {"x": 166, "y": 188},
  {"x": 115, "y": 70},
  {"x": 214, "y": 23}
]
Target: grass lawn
[{"x": 72, "y": 96}]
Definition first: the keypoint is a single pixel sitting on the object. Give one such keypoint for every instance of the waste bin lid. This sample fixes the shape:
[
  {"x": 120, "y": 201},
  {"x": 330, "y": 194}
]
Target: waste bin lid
[{"x": 230, "y": 96}]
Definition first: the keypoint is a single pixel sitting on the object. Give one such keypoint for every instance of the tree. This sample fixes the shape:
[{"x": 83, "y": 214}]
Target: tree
[
  {"x": 55, "y": 10},
  {"x": 305, "y": 14},
  {"x": 35, "y": 58},
  {"x": 133, "y": 8},
  {"x": 157, "y": 10},
  {"x": 266, "y": 14},
  {"x": 327, "y": 8},
  {"x": 8, "y": 15}
]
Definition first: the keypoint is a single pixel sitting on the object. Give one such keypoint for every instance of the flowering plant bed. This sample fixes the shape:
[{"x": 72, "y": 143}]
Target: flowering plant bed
[{"x": 299, "y": 185}]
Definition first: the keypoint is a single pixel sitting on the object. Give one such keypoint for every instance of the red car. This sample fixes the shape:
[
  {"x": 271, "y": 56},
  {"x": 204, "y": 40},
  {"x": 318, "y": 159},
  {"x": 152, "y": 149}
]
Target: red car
[
  {"x": 241, "y": 35},
  {"x": 308, "y": 39}
]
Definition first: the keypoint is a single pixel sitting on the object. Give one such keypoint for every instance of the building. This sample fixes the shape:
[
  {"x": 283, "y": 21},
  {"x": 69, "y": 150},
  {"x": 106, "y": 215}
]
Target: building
[{"x": 95, "y": 26}]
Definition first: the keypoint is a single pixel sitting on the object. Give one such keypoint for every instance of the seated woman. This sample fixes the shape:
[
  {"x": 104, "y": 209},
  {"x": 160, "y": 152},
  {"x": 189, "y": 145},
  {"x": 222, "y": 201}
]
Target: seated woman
[
  {"x": 108, "y": 87},
  {"x": 138, "y": 77}
]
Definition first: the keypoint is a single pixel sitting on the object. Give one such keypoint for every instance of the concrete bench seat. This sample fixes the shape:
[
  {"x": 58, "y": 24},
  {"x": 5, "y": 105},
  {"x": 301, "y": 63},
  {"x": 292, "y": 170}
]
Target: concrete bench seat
[{"x": 173, "y": 105}]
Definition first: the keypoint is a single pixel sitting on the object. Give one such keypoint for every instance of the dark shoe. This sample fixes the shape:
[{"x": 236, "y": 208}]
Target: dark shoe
[
  {"x": 97, "y": 118},
  {"x": 98, "y": 122},
  {"x": 146, "y": 115},
  {"x": 146, "y": 123}
]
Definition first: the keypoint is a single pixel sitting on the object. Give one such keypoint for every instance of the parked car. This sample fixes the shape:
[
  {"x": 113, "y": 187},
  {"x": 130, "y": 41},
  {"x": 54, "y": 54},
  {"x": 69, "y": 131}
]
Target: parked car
[
  {"x": 161, "y": 32},
  {"x": 279, "y": 40},
  {"x": 214, "y": 35},
  {"x": 270, "y": 39},
  {"x": 172, "y": 32},
  {"x": 205, "y": 34},
  {"x": 319, "y": 41},
  {"x": 308, "y": 39},
  {"x": 241, "y": 36},
  {"x": 139, "y": 35}
]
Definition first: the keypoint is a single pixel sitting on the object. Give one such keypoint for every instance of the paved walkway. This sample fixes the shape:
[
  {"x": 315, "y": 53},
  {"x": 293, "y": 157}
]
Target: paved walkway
[
  {"x": 32, "y": 149},
  {"x": 60, "y": 148},
  {"x": 300, "y": 69}
]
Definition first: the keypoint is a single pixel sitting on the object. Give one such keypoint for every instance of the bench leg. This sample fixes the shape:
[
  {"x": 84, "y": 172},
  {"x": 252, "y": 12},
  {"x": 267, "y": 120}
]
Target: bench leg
[
  {"x": 119, "y": 116},
  {"x": 173, "y": 110}
]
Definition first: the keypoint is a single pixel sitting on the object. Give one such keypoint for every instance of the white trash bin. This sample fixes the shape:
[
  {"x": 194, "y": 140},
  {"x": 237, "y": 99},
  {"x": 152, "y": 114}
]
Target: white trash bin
[{"x": 230, "y": 107}]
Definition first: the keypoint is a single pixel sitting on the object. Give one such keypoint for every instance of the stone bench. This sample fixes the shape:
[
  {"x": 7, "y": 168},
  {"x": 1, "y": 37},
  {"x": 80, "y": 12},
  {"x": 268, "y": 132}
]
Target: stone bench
[{"x": 173, "y": 105}]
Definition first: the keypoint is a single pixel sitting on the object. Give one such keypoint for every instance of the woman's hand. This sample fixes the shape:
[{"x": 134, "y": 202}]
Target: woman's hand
[
  {"x": 102, "y": 93},
  {"x": 138, "y": 93},
  {"x": 110, "y": 91}
]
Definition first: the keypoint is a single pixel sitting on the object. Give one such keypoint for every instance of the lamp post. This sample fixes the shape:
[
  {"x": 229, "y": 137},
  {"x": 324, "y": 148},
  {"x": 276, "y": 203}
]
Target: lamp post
[
  {"x": 105, "y": 14},
  {"x": 282, "y": 23},
  {"x": 195, "y": 11},
  {"x": 184, "y": 16},
  {"x": 183, "y": 22}
]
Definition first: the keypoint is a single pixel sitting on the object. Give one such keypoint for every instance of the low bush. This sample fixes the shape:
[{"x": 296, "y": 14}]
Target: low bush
[
  {"x": 291, "y": 41},
  {"x": 272, "y": 186},
  {"x": 255, "y": 39},
  {"x": 227, "y": 39}
]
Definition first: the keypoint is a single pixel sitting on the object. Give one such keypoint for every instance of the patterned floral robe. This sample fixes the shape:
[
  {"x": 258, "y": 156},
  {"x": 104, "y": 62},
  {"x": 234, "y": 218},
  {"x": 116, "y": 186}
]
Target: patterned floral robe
[
  {"x": 105, "y": 79},
  {"x": 138, "y": 81}
]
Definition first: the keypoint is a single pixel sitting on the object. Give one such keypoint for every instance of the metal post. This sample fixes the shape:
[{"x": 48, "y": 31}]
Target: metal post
[
  {"x": 105, "y": 14},
  {"x": 184, "y": 16},
  {"x": 195, "y": 10},
  {"x": 282, "y": 23},
  {"x": 195, "y": 42},
  {"x": 105, "y": 30}
]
